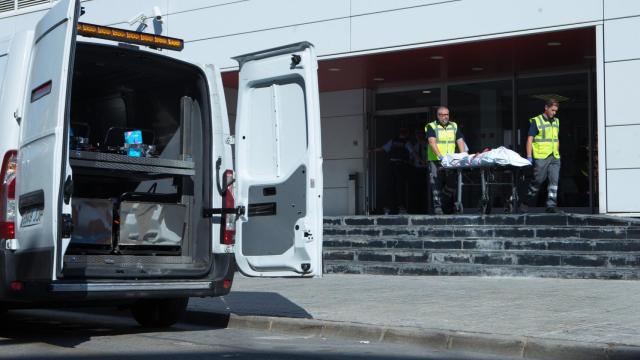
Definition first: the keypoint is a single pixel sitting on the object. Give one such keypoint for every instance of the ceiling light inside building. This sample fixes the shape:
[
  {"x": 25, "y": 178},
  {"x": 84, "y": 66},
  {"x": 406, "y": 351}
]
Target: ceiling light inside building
[
  {"x": 334, "y": 69},
  {"x": 426, "y": 91},
  {"x": 477, "y": 68},
  {"x": 554, "y": 43},
  {"x": 437, "y": 57},
  {"x": 378, "y": 79}
]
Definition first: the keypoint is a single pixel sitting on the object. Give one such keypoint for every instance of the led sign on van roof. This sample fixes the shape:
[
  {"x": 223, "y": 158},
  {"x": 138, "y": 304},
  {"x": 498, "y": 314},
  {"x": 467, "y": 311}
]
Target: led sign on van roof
[{"x": 133, "y": 37}]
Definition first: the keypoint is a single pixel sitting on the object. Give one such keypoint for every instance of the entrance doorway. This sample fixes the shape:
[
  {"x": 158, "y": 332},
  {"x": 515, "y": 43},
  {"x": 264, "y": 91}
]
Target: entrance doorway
[
  {"x": 409, "y": 110},
  {"x": 489, "y": 117},
  {"x": 577, "y": 188}
]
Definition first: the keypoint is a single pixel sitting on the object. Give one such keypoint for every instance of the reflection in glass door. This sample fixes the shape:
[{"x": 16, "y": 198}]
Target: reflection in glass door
[{"x": 409, "y": 110}]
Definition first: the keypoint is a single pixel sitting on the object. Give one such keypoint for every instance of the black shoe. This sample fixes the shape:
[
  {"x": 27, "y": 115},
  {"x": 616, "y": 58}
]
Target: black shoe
[
  {"x": 524, "y": 208},
  {"x": 553, "y": 210},
  {"x": 438, "y": 211}
]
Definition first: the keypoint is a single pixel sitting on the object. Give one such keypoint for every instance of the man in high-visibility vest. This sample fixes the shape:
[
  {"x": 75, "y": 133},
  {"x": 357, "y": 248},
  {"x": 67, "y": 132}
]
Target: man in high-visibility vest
[
  {"x": 443, "y": 136},
  {"x": 543, "y": 150}
]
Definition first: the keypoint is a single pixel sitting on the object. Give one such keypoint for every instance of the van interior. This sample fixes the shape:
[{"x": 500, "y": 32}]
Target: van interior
[{"x": 141, "y": 165}]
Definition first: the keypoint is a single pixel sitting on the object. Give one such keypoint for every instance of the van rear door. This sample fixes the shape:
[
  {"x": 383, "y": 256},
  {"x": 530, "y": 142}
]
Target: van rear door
[
  {"x": 279, "y": 163},
  {"x": 43, "y": 187}
]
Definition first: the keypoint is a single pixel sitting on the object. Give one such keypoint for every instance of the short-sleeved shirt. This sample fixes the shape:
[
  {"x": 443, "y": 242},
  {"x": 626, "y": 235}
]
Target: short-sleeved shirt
[
  {"x": 432, "y": 133},
  {"x": 533, "y": 128},
  {"x": 387, "y": 147}
]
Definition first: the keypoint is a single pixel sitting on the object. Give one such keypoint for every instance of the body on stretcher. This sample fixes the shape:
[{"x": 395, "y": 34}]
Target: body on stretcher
[{"x": 489, "y": 165}]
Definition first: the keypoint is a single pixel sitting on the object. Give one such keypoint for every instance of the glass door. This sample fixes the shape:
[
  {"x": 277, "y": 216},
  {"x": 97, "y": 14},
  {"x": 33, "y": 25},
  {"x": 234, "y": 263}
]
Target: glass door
[
  {"x": 576, "y": 191},
  {"x": 407, "y": 111}
]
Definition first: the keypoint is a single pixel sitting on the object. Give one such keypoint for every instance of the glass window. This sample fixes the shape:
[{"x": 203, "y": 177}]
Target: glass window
[{"x": 484, "y": 112}]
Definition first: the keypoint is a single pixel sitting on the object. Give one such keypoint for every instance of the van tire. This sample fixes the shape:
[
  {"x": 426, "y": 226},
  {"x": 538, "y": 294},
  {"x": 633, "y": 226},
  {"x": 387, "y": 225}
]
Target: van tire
[{"x": 158, "y": 313}]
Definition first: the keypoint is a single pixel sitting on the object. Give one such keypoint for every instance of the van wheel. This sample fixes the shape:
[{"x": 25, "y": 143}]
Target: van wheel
[{"x": 157, "y": 313}]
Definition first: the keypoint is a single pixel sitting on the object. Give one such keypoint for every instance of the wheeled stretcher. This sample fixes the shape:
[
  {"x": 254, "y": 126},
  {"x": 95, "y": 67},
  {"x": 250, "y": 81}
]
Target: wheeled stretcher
[
  {"x": 498, "y": 167},
  {"x": 490, "y": 176}
]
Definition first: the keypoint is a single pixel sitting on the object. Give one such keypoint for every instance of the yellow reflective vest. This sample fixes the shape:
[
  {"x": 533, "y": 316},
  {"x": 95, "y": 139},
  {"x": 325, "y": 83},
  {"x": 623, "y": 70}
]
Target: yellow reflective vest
[
  {"x": 445, "y": 138},
  {"x": 546, "y": 142}
]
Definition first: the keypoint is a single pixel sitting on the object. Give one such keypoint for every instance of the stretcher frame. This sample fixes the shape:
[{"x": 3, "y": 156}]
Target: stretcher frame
[{"x": 487, "y": 180}]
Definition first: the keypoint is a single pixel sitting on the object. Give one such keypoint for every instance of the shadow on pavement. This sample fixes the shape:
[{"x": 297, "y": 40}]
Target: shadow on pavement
[
  {"x": 60, "y": 328},
  {"x": 251, "y": 303}
]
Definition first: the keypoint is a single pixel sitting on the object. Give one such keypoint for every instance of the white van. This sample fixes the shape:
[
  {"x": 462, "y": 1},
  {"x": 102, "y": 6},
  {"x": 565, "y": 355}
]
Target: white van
[{"x": 117, "y": 183}]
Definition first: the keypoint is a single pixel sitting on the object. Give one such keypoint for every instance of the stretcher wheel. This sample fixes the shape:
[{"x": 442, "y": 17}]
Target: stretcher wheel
[{"x": 459, "y": 208}]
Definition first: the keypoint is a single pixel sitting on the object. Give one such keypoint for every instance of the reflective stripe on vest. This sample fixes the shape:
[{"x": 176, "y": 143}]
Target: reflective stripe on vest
[
  {"x": 546, "y": 142},
  {"x": 445, "y": 139}
]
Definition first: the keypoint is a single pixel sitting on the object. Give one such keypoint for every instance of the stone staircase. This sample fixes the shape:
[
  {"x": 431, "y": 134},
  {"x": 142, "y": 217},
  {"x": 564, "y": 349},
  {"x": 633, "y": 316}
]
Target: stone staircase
[{"x": 538, "y": 245}]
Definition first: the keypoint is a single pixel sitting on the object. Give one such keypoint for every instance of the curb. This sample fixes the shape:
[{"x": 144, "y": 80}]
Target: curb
[{"x": 523, "y": 347}]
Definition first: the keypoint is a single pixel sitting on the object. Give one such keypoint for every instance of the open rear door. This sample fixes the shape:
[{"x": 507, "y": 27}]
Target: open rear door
[
  {"x": 43, "y": 186},
  {"x": 279, "y": 163}
]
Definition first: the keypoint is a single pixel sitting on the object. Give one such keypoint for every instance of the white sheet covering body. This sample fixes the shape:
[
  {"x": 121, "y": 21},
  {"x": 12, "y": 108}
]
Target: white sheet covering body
[{"x": 499, "y": 156}]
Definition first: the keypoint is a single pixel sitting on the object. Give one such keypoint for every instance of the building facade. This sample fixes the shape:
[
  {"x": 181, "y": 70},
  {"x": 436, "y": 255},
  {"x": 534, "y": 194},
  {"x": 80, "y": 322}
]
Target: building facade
[{"x": 386, "y": 65}]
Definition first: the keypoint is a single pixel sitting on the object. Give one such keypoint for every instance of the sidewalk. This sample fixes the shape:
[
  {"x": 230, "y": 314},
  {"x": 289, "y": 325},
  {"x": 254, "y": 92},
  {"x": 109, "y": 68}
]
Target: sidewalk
[{"x": 522, "y": 317}]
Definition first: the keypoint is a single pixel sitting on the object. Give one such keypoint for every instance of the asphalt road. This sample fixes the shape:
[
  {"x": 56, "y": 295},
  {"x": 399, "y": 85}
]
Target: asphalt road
[{"x": 99, "y": 334}]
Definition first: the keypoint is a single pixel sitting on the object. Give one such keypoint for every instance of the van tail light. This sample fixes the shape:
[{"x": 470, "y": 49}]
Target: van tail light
[
  {"x": 8, "y": 195},
  {"x": 229, "y": 202}
]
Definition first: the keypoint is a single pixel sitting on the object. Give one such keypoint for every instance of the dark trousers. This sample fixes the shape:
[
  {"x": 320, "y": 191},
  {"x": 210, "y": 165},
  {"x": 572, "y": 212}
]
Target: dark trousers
[
  {"x": 544, "y": 169},
  {"x": 439, "y": 180},
  {"x": 418, "y": 187},
  {"x": 399, "y": 173}
]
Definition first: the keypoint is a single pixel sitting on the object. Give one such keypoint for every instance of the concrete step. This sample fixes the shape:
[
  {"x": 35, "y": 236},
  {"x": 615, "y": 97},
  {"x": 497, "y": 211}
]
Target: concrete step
[
  {"x": 381, "y": 268},
  {"x": 449, "y": 231},
  {"x": 489, "y": 257},
  {"x": 517, "y": 219},
  {"x": 538, "y": 244},
  {"x": 549, "y": 245}
]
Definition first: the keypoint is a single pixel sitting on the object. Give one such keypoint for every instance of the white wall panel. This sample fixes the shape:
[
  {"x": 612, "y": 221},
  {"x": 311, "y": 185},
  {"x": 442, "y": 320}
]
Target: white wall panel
[
  {"x": 620, "y": 8},
  {"x": 622, "y": 190},
  {"x": 336, "y": 172},
  {"x": 468, "y": 18},
  {"x": 622, "y": 147},
  {"x": 254, "y": 16},
  {"x": 328, "y": 37},
  {"x": 359, "y": 7},
  {"x": 621, "y": 90},
  {"x": 617, "y": 36},
  {"x": 341, "y": 103},
  {"x": 190, "y": 5},
  {"x": 335, "y": 202},
  {"x": 342, "y": 137}
]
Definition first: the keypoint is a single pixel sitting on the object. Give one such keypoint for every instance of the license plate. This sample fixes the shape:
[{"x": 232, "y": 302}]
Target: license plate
[{"x": 32, "y": 217}]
